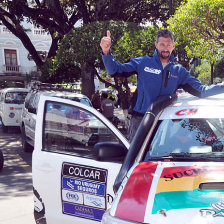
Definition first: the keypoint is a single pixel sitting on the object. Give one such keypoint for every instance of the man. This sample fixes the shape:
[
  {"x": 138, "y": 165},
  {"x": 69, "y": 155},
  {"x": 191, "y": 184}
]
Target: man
[
  {"x": 107, "y": 107},
  {"x": 157, "y": 75},
  {"x": 95, "y": 100}
]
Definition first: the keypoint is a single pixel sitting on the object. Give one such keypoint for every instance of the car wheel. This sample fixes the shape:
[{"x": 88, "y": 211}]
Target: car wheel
[
  {"x": 26, "y": 146},
  {"x": 4, "y": 128},
  {"x": 1, "y": 160}
]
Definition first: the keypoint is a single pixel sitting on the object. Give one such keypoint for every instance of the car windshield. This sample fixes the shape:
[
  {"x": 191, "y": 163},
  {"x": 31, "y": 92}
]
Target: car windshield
[
  {"x": 78, "y": 99},
  {"x": 15, "y": 97},
  {"x": 188, "y": 138},
  {"x": 83, "y": 100}
]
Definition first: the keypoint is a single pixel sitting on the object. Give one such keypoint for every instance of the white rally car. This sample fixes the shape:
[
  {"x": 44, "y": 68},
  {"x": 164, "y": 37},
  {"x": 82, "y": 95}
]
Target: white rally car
[
  {"x": 171, "y": 173},
  {"x": 70, "y": 185}
]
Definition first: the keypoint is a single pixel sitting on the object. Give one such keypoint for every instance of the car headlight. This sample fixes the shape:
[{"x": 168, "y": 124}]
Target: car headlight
[{"x": 108, "y": 219}]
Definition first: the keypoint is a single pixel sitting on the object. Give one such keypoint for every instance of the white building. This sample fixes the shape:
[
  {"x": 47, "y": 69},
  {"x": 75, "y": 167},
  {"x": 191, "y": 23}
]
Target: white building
[
  {"x": 15, "y": 60},
  {"x": 16, "y": 63}
]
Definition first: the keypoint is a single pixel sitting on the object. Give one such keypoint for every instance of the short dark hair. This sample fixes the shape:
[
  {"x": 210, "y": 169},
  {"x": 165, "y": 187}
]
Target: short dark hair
[
  {"x": 164, "y": 33},
  {"x": 104, "y": 95}
]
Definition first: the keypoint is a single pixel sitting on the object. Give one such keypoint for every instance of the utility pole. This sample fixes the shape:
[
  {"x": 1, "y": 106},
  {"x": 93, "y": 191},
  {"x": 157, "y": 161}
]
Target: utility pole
[{"x": 212, "y": 72}]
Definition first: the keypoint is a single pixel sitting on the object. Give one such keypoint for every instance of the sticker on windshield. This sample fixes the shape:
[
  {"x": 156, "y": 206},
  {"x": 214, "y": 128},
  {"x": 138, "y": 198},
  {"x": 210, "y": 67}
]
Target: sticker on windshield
[
  {"x": 186, "y": 112},
  {"x": 83, "y": 191}
]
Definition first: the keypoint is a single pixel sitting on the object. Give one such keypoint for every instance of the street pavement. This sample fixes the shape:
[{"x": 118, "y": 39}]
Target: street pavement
[{"x": 16, "y": 195}]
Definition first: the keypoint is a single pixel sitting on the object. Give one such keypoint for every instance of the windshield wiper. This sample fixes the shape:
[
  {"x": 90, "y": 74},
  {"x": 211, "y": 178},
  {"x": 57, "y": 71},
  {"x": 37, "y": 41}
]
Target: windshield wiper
[
  {"x": 211, "y": 155},
  {"x": 183, "y": 157}
]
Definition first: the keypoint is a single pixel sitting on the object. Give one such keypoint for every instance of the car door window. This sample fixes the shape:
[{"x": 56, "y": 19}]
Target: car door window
[
  {"x": 70, "y": 129},
  {"x": 29, "y": 101}
]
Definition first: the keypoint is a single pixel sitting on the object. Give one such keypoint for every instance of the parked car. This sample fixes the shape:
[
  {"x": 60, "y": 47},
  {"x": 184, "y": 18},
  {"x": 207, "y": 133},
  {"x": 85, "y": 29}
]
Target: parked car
[
  {"x": 171, "y": 172},
  {"x": 29, "y": 112},
  {"x": 11, "y": 104}
]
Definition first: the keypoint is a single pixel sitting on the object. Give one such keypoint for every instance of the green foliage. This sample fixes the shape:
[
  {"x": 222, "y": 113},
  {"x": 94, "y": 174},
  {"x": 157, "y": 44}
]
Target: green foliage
[
  {"x": 200, "y": 25},
  {"x": 81, "y": 45},
  {"x": 52, "y": 72},
  {"x": 136, "y": 43},
  {"x": 203, "y": 73}
]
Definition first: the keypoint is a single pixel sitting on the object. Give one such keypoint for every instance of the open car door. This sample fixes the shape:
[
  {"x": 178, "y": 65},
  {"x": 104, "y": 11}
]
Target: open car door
[{"x": 70, "y": 184}]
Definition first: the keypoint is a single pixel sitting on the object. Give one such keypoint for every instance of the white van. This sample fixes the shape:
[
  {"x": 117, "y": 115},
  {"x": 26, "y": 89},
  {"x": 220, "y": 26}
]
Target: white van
[{"x": 11, "y": 104}]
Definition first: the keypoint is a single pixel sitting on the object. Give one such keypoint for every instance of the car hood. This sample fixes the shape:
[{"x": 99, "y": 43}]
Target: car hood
[{"x": 173, "y": 192}]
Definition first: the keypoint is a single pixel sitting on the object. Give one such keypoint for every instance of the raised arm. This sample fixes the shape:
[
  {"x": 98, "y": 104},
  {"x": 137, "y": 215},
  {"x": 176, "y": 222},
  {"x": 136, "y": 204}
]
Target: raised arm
[{"x": 105, "y": 43}]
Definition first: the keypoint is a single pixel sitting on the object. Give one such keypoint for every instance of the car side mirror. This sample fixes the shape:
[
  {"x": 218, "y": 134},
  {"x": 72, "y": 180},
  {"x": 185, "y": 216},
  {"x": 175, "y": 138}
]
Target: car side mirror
[{"x": 109, "y": 152}]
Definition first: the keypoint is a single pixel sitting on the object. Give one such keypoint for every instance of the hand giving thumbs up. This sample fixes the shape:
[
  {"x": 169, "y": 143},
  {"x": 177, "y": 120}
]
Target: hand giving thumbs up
[{"x": 105, "y": 43}]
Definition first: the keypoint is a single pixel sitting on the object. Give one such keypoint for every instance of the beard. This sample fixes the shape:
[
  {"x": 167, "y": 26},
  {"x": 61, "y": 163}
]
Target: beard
[{"x": 164, "y": 54}]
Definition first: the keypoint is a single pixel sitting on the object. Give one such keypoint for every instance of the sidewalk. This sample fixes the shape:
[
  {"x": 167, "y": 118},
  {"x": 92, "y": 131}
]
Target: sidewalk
[
  {"x": 16, "y": 188},
  {"x": 16, "y": 192}
]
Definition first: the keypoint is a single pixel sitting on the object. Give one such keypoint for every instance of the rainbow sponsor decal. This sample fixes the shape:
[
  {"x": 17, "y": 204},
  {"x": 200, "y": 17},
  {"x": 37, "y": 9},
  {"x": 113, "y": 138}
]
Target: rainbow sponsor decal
[
  {"x": 178, "y": 188},
  {"x": 216, "y": 210},
  {"x": 133, "y": 201}
]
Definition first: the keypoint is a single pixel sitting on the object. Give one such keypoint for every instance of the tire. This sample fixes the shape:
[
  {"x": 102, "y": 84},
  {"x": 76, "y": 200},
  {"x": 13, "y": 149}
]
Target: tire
[
  {"x": 1, "y": 160},
  {"x": 4, "y": 128},
  {"x": 26, "y": 146}
]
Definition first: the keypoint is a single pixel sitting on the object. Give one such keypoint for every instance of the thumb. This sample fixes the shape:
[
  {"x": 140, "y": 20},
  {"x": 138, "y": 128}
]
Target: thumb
[{"x": 108, "y": 33}]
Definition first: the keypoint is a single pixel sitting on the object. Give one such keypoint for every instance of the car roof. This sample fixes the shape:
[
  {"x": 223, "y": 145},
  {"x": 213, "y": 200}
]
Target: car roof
[
  {"x": 14, "y": 89},
  {"x": 62, "y": 93},
  {"x": 188, "y": 106}
]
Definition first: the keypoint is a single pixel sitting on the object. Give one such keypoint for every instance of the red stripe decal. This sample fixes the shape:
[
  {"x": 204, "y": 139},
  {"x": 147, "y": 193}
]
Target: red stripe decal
[{"x": 134, "y": 198}]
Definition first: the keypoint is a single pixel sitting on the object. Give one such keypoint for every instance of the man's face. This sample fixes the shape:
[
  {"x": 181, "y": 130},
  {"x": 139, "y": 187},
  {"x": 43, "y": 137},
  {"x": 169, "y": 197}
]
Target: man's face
[{"x": 165, "y": 47}]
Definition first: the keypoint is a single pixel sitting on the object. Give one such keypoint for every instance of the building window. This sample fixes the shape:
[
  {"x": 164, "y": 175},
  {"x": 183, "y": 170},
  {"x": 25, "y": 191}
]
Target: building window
[{"x": 10, "y": 57}]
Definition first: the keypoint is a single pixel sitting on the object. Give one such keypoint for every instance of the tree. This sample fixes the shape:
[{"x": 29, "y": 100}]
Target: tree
[
  {"x": 137, "y": 11},
  {"x": 55, "y": 72},
  {"x": 199, "y": 24},
  {"x": 219, "y": 69},
  {"x": 59, "y": 17},
  {"x": 203, "y": 73},
  {"x": 136, "y": 43},
  {"x": 56, "y": 17}
]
